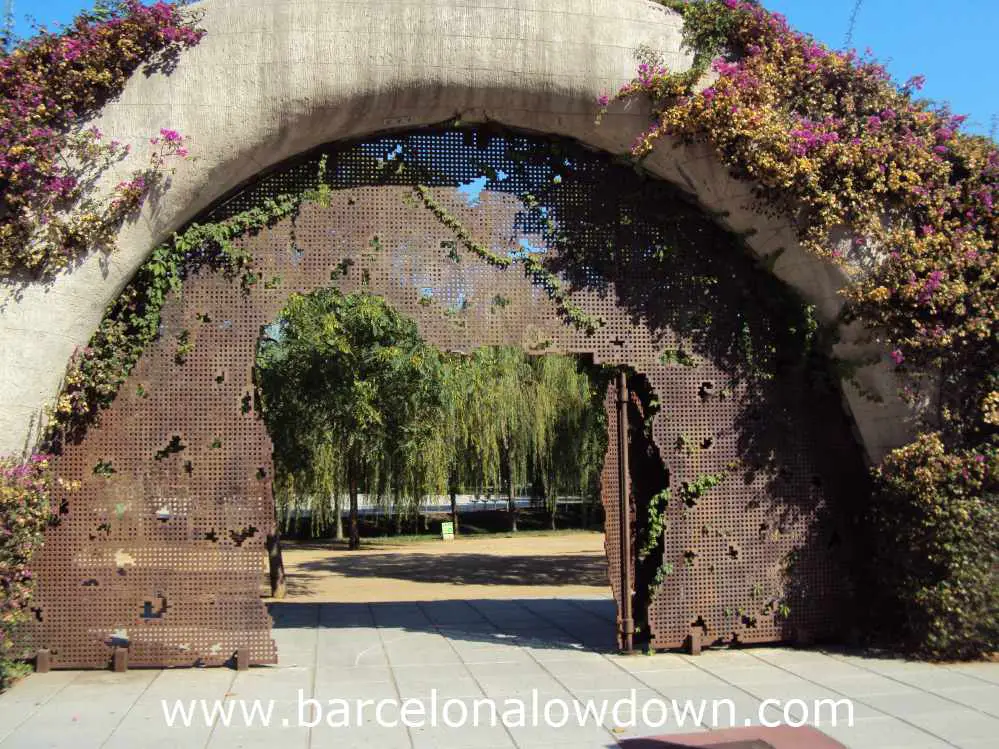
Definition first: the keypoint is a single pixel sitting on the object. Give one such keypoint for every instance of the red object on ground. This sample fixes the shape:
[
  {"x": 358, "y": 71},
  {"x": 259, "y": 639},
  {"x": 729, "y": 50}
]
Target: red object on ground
[{"x": 755, "y": 737}]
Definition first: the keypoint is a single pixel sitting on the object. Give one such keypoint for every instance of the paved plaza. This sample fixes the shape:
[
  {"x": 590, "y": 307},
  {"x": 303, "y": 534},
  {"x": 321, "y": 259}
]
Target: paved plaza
[{"x": 499, "y": 649}]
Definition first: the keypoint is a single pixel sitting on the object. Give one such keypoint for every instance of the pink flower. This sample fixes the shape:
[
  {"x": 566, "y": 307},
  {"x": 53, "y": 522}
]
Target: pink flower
[
  {"x": 930, "y": 286},
  {"x": 71, "y": 49},
  {"x": 897, "y": 357}
]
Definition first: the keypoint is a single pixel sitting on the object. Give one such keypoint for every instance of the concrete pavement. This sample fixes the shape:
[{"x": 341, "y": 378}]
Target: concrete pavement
[{"x": 473, "y": 649}]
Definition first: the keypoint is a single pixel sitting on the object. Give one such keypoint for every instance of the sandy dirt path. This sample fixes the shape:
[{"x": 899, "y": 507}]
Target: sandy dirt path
[{"x": 527, "y": 565}]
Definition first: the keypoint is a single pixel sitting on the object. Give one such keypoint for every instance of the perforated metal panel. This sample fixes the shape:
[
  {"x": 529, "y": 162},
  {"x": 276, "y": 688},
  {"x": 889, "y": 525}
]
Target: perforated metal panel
[{"x": 162, "y": 546}]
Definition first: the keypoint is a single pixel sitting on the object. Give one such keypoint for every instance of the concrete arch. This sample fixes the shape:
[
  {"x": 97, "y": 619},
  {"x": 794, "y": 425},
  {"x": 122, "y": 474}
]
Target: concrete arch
[{"x": 273, "y": 79}]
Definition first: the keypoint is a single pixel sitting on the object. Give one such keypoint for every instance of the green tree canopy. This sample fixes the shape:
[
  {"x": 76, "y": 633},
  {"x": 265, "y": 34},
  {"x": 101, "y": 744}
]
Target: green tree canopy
[{"x": 356, "y": 401}]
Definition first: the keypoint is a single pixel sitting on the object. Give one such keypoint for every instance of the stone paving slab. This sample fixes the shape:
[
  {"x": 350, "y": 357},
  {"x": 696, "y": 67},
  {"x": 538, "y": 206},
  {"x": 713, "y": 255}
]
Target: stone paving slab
[{"x": 471, "y": 650}]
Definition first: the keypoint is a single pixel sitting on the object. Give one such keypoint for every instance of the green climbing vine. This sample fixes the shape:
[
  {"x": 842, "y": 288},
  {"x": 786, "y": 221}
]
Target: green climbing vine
[
  {"x": 132, "y": 321},
  {"x": 533, "y": 267},
  {"x": 446, "y": 219},
  {"x": 691, "y": 492},
  {"x": 656, "y": 524}
]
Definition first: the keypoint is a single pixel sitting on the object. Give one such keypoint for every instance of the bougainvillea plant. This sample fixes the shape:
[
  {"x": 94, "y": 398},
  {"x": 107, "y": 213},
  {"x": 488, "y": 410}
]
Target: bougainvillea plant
[
  {"x": 50, "y": 159},
  {"x": 830, "y": 142},
  {"x": 50, "y": 85},
  {"x": 934, "y": 544},
  {"x": 25, "y": 511}
]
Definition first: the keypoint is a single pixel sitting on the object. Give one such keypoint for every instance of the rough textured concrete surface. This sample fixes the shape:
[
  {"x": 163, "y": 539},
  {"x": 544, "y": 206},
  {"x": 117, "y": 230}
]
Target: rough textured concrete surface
[{"x": 273, "y": 78}]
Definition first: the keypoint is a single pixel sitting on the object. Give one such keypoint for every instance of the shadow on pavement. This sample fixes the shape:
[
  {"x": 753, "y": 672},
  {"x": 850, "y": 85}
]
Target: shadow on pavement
[
  {"x": 547, "y": 623},
  {"x": 470, "y": 569}
]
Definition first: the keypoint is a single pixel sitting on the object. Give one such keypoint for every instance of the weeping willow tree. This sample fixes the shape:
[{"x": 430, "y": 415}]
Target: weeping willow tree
[
  {"x": 355, "y": 401},
  {"x": 527, "y": 420},
  {"x": 349, "y": 396},
  {"x": 568, "y": 430}
]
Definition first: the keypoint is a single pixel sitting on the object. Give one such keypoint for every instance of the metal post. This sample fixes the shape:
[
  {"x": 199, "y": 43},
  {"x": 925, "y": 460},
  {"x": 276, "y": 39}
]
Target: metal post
[
  {"x": 119, "y": 659},
  {"x": 242, "y": 659},
  {"x": 695, "y": 641},
  {"x": 43, "y": 661},
  {"x": 624, "y": 522}
]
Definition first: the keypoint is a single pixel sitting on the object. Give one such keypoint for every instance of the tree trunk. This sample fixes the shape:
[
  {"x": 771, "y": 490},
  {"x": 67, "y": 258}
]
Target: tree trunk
[
  {"x": 511, "y": 502},
  {"x": 454, "y": 509},
  {"x": 355, "y": 530},
  {"x": 275, "y": 564},
  {"x": 543, "y": 489},
  {"x": 338, "y": 510}
]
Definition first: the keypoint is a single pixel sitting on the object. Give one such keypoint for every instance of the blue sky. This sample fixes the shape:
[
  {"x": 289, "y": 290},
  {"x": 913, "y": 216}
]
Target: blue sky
[{"x": 950, "y": 43}]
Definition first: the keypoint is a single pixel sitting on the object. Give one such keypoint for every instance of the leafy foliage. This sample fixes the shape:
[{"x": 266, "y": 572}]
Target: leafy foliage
[
  {"x": 49, "y": 160},
  {"x": 25, "y": 511},
  {"x": 526, "y": 419},
  {"x": 934, "y": 529},
  {"x": 353, "y": 397},
  {"x": 832, "y": 143},
  {"x": 133, "y": 320},
  {"x": 347, "y": 389}
]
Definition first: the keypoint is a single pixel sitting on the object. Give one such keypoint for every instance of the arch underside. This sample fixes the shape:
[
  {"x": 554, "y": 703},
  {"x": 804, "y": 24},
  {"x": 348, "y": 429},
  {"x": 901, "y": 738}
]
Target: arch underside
[{"x": 160, "y": 547}]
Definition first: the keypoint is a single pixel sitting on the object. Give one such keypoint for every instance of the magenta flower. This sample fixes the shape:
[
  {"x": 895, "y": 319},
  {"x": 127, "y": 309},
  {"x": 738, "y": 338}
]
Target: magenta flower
[
  {"x": 897, "y": 357},
  {"x": 930, "y": 287}
]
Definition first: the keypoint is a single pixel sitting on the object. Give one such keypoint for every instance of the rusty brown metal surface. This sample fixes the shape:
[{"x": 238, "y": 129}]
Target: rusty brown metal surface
[
  {"x": 779, "y": 737},
  {"x": 161, "y": 548},
  {"x": 610, "y": 491}
]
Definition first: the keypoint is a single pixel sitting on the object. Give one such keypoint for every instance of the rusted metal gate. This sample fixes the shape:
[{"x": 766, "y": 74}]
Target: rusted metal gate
[{"x": 160, "y": 549}]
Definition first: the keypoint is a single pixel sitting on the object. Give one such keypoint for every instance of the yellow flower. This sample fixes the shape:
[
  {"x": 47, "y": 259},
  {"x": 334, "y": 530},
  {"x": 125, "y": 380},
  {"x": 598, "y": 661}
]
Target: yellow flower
[
  {"x": 880, "y": 294},
  {"x": 990, "y": 408}
]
